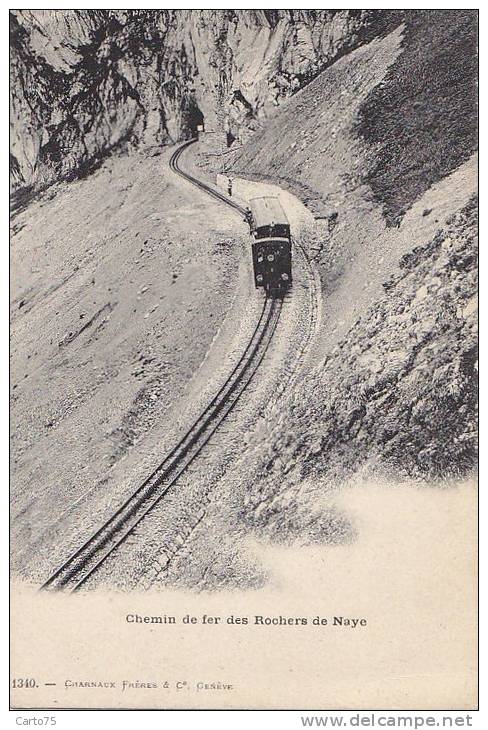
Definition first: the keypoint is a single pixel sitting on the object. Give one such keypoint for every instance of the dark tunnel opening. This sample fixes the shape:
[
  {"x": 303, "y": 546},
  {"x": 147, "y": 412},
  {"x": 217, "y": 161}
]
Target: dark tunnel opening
[{"x": 193, "y": 118}]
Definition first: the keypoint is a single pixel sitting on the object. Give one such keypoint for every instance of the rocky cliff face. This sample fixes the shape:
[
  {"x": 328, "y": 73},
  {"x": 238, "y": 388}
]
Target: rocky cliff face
[{"x": 86, "y": 81}]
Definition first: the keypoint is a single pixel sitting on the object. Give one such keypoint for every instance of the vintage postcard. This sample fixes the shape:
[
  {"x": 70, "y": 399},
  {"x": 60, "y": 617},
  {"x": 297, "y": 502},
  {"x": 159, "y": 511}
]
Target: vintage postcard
[{"x": 243, "y": 322}]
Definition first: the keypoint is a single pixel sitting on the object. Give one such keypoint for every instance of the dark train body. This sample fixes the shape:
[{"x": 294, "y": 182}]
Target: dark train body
[{"x": 271, "y": 248}]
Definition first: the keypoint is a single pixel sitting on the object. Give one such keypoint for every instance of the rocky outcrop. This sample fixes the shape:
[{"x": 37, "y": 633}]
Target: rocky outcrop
[{"x": 85, "y": 81}]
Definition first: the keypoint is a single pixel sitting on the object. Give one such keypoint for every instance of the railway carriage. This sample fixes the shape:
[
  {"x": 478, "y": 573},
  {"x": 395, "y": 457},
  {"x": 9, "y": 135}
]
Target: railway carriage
[{"x": 271, "y": 248}]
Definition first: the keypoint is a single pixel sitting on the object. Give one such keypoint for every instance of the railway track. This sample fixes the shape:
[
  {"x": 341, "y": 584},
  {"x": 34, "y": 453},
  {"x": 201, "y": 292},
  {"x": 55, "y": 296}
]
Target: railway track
[
  {"x": 173, "y": 163},
  {"x": 77, "y": 570}
]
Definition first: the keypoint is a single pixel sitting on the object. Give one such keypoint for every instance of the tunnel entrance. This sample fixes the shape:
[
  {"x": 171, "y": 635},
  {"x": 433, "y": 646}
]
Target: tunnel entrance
[{"x": 193, "y": 118}]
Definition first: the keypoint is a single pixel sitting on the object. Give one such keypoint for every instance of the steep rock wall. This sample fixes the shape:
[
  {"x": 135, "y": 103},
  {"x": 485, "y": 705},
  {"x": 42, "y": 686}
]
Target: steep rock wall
[{"x": 85, "y": 81}]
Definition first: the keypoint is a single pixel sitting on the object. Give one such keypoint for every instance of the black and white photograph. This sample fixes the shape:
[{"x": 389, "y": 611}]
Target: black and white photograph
[{"x": 243, "y": 358}]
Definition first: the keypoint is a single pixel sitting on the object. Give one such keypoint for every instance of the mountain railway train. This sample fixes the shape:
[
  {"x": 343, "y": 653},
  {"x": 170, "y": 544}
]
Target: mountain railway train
[{"x": 271, "y": 248}]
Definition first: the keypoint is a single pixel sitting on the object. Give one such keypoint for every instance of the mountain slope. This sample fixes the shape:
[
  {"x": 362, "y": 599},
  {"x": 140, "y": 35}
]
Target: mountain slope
[{"x": 384, "y": 156}]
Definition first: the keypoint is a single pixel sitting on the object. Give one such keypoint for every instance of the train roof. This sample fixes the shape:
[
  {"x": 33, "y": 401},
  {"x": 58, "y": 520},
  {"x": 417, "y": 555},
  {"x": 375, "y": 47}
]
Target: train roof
[{"x": 267, "y": 211}]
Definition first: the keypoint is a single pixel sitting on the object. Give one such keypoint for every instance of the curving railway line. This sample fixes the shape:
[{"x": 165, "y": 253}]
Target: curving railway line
[
  {"x": 77, "y": 570},
  {"x": 173, "y": 163}
]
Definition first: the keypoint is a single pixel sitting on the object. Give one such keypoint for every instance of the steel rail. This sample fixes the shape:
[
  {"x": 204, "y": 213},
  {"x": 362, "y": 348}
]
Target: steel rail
[
  {"x": 86, "y": 560},
  {"x": 173, "y": 163}
]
